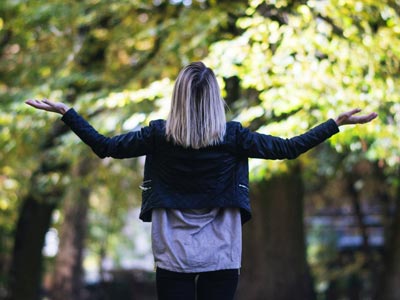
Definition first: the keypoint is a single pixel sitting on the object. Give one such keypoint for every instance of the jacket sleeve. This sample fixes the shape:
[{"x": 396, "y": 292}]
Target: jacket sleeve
[
  {"x": 257, "y": 145},
  {"x": 132, "y": 144}
]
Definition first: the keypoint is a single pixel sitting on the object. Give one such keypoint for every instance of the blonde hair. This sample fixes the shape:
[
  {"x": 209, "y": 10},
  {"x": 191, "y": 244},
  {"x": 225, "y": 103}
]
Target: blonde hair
[{"x": 197, "y": 115}]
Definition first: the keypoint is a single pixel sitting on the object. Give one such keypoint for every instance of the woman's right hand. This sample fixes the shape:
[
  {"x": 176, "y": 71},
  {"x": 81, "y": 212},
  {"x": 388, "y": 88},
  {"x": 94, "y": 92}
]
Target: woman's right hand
[{"x": 47, "y": 105}]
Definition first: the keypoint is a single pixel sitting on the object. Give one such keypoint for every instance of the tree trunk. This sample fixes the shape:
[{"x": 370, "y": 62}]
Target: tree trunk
[
  {"x": 274, "y": 253},
  {"x": 68, "y": 272},
  {"x": 33, "y": 223},
  {"x": 389, "y": 289},
  {"x": 25, "y": 271}
]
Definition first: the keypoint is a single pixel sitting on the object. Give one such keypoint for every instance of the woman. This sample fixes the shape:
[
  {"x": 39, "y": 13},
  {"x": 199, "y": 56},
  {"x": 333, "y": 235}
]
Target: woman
[{"x": 195, "y": 187}]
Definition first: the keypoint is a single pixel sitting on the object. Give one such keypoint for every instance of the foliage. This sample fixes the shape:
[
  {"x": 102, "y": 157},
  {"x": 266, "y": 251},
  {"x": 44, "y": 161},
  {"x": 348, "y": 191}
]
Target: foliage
[{"x": 311, "y": 61}]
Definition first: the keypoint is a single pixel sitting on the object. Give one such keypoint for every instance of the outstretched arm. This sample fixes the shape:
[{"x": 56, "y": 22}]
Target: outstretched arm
[
  {"x": 257, "y": 145},
  {"x": 131, "y": 144}
]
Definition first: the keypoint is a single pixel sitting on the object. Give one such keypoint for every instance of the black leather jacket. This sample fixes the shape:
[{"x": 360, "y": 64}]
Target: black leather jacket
[{"x": 216, "y": 176}]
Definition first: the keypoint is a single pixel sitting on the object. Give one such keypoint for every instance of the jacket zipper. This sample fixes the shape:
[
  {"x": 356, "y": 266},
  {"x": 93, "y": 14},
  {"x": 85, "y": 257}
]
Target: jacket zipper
[
  {"x": 145, "y": 188},
  {"x": 243, "y": 186}
]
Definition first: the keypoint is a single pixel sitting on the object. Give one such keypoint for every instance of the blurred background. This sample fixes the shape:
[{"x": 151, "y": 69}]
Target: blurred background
[{"x": 326, "y": 226}]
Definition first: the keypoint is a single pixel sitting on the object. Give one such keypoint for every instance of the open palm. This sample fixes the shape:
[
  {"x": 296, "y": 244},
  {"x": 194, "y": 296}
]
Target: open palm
[
  {"x": 47, "y": 105},
  {"x": 350, "y": 118}
]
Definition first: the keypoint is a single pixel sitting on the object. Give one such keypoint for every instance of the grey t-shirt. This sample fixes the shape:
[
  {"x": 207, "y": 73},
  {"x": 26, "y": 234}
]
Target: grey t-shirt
[{"x": 197, "y": 240}]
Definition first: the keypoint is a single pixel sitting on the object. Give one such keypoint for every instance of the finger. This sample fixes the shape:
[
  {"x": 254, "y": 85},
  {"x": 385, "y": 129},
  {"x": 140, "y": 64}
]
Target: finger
[
  {"x": 366, "y": 118},
  {"x": 372, "y": 116},
  {"x": 354, "y": 111},
  {"x": 32, "y": 102},
  {"x": 37, "y": 104},
  {"x": 47, "y": 101}
]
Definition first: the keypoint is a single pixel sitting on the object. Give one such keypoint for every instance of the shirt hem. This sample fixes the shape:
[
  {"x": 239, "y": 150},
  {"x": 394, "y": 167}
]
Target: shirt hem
[{"x": 197, "y": 270}]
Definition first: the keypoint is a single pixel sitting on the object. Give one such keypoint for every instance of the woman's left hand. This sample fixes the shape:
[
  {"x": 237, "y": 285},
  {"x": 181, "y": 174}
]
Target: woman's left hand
[{"x": 350, "y": 118}]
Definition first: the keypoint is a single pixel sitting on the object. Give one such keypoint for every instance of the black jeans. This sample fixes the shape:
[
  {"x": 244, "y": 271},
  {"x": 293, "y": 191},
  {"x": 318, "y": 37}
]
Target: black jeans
[{"x": 215, "y": 285}]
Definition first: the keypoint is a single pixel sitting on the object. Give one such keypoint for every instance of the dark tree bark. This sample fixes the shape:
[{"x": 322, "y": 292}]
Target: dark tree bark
[
  {"x": 389, "y": 287},
  {"x": 68, "y": 272},
  {"x": 274, "y": 252},
  {"x": 33, "y": 223},
  {"x": 25, "y": 271},
  {"x": 357, "y": 209}
]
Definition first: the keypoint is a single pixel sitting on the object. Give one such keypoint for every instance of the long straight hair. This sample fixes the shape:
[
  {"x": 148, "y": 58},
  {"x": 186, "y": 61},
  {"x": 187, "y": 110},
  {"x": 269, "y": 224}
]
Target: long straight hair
[{"x": 197, "y": 115}]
